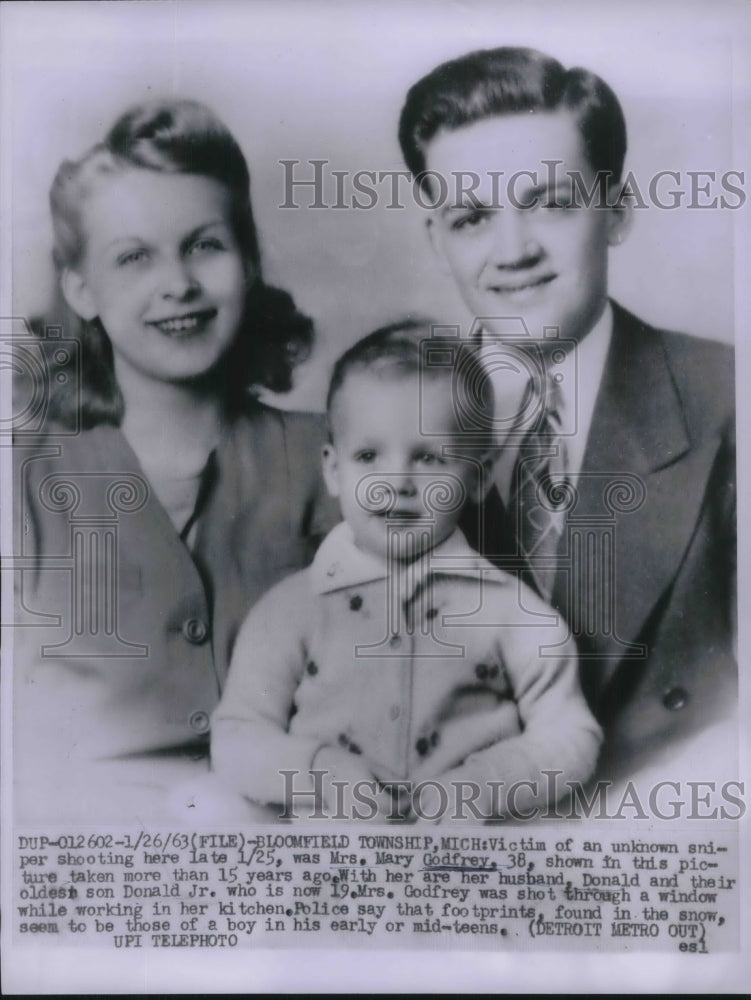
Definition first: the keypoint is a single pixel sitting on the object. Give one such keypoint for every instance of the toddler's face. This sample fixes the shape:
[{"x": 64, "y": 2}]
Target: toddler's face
[
  {"x": 162, "y": 270},
  {"x": 394, "y": 462}
]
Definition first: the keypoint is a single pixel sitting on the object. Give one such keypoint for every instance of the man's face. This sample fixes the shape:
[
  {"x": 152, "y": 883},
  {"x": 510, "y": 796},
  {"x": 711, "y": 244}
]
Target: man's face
[{"x": 547, "y": 263}]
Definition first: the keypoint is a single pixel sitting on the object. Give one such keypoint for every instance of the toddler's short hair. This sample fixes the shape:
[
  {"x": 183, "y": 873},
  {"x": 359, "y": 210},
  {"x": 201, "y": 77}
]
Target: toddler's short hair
[{"x": 412, "y": 346}]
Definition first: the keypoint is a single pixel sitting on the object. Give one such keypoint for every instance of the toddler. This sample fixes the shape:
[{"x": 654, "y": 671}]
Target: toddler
[{"x": 401, "y": 674}]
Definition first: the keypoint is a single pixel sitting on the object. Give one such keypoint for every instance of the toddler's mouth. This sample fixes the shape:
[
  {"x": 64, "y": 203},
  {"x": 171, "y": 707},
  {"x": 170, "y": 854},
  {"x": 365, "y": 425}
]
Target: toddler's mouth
[{"x": 401, "y": 515}]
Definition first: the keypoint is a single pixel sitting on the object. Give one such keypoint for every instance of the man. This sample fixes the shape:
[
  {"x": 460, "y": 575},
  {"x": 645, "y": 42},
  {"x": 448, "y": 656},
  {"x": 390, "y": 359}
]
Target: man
[{"x": 615, "y": 492}]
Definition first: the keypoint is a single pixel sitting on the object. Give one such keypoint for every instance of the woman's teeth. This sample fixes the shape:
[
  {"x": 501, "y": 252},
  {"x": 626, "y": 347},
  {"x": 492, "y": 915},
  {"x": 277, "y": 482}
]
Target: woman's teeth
[{"x": 183, "y": 324}]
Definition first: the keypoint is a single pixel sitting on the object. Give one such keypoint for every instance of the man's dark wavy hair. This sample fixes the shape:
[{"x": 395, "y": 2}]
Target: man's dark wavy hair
[
  {"x": 181, "y": 137},
  {"x": 510, "y": 80}
]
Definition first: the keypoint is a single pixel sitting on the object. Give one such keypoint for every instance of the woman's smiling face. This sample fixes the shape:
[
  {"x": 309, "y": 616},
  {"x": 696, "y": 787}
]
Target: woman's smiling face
[{"x": 162, "y": 270}]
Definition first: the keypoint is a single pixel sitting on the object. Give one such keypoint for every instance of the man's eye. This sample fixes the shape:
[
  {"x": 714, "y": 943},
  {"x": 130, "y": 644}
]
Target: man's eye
[
  {"x": 559, "y": 201},
  {"x": 366, "y": 455},
  {"x": 132, "y": 257},
  {"x": 470, "y": 220}
]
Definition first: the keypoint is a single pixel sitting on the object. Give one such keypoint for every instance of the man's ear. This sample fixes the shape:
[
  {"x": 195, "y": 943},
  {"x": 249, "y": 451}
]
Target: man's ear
[
  {"x": 620, "y": 215},
  {"x": 436, "y": 241},
  {"x": 330, "y": 469},
  {"x": 77, "y": 294},
  {"x": 484, "y": 474}
]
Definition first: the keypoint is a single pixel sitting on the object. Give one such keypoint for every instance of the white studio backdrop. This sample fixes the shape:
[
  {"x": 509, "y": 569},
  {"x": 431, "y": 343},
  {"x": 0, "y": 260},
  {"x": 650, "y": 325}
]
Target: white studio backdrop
[{"x": 301, "y": 81}]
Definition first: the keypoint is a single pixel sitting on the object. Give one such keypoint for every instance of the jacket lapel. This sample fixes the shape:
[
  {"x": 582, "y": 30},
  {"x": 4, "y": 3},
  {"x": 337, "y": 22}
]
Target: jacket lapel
[{"x": 639, "y": 497}]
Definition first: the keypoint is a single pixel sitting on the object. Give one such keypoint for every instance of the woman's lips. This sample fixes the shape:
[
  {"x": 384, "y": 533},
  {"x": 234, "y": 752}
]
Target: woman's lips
[{"x": 185, "y": 324}]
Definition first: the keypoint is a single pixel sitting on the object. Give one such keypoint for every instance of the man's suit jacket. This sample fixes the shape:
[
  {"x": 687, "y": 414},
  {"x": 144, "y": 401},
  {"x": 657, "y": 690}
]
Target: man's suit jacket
[{"x": 646, "y": 563}]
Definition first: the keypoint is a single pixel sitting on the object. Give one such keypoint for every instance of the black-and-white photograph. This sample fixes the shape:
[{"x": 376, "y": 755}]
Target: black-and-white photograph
[{"x": 370, "y": 560}]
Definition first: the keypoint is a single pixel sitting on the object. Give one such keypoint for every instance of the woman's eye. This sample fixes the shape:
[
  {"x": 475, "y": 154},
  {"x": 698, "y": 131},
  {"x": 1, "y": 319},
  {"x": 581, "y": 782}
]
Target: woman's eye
[
  {"x": 132, "y": 257},
  {"x": 428, "y": 458},
  {"x": 206, "y": 244}
]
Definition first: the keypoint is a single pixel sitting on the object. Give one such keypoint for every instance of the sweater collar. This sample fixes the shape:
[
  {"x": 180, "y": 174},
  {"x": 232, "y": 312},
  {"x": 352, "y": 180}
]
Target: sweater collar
[{"x": 339, "y": 563}]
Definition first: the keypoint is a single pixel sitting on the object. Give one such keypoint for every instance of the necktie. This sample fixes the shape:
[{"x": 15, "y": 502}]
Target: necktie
[{"x": 539, "y": 494}]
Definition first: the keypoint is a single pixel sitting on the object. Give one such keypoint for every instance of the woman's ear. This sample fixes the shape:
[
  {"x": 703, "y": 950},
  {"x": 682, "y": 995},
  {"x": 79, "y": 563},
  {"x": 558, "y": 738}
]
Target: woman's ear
[
  {"x": 330, "y": 470},
  {"x": 77, "y": 294}
]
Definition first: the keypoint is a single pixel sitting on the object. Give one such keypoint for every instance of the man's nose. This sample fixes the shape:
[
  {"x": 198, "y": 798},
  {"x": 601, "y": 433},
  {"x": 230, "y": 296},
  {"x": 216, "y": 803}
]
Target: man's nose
[{"x": 514, "y": 244}]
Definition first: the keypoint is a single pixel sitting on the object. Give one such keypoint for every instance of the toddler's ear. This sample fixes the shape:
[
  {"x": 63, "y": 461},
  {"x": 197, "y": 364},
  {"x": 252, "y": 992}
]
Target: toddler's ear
[
  {"x": 330, "y": 469},
  {"x": 77, "y": 294}
]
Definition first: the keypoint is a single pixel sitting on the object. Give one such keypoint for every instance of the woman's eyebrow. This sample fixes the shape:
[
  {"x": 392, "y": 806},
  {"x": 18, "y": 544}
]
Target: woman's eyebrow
[
  {"x": 197, "y": 230},
  {"x": 124, "y": 239}
]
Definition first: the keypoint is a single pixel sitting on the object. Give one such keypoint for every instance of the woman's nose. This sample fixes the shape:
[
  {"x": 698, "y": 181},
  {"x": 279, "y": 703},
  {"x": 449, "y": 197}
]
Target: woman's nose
[{"x": 177, "y": 280}]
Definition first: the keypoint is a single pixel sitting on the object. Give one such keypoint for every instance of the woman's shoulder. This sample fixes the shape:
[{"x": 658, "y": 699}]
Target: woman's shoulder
[
  {"x": 295, "y": 430},
  {"x": 71, "y": 446}
]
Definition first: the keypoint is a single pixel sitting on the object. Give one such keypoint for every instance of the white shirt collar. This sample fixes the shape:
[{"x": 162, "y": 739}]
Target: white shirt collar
[
  {"x": 339, "y": 563},
  {"x": 582, "y": 370}
]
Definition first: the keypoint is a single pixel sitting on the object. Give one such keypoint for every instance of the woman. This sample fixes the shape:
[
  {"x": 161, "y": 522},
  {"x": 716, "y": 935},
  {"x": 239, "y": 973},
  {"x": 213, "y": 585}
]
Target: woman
[{"x": 162, "y": 498}]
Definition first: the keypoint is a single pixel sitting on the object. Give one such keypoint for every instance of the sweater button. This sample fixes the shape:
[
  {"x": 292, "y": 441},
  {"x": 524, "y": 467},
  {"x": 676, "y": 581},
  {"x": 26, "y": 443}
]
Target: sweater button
[
  {"x": 199, "y": 721},
  {"x": 395, "y": 640},
  {"x": 481, "y": 671},
  {"x": 422, "y": 746},
  {"x": 675, "y": 699},
  {"x": 195, "y": 630}
]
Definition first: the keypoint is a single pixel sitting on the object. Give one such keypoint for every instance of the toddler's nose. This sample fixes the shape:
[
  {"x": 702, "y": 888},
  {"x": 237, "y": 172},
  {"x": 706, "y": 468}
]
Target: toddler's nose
[{"x": 406, "y": 486}]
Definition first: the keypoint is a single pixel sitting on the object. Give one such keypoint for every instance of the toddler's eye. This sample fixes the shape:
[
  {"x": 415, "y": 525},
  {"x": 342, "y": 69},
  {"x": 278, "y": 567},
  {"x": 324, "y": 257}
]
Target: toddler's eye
[
  {"x": 428, "y": 458},
  {"x": 132, "y": 257},
  {"x": 366, "y": 455}
]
